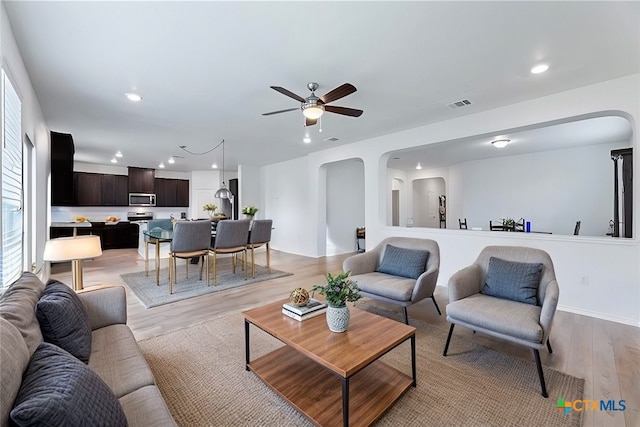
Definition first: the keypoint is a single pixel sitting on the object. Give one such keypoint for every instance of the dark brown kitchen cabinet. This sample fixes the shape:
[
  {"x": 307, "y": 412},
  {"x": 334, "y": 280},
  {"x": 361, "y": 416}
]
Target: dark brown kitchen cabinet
[
  {"x": 115, "y": 190},
  {"x": 182, "y": 198},
  {"x": 62, "y": 151},
  {"x": 88, "y": 188},
  {"x": 119, "y": 236},
  {"x": 172, "y": 192},
  {"x": 142, "y": 180}
]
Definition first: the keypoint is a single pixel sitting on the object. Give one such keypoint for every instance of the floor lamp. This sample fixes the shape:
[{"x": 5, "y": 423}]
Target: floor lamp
[{"x": 73, "y": 249}]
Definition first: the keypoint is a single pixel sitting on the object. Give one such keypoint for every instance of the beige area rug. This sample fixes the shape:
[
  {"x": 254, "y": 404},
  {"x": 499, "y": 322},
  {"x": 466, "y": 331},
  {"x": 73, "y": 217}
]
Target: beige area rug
[
  {"x": 200, "y": 371},
  {"x": 145, "y": 289}
]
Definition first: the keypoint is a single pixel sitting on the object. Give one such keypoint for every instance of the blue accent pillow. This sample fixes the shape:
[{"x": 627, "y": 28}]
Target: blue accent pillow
[
  {"x": 403, "y": 262},
  {"x": 64, "y": 320},
  {"x": 59, "y": 390},
  {"x": 517, "y": 281}
]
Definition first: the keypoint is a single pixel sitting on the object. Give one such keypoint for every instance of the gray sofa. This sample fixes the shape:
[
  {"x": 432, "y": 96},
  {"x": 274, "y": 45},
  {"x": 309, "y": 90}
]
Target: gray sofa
[
  {"x": 407, "y": 280},
  {"x": 114, "y": 353}
]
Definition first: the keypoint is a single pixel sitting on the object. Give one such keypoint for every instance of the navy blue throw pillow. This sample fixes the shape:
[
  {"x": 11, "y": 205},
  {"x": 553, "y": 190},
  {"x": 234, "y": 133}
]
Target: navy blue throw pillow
[
  {"x": 63, "y": 320},
  {"x": 517, "y": 281},
  {"x": 404, "y": 262},
  {"x": 59, "y": 390}
]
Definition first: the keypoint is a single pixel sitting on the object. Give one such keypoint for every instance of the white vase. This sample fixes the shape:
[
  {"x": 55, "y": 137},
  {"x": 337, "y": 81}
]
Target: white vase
[{"x": 338, "y": 318}]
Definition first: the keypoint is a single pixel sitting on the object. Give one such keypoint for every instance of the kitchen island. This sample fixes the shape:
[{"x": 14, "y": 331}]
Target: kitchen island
[{"x": 115, "y": 235}]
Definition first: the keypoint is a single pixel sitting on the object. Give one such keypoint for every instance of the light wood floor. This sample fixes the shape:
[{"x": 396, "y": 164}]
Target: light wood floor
[{"x": 605, "y": 354}]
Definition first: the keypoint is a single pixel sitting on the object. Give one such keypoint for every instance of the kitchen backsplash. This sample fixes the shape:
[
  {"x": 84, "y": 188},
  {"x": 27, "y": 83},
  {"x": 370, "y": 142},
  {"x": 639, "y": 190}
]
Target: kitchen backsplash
[{"x": 99, "y": 213}]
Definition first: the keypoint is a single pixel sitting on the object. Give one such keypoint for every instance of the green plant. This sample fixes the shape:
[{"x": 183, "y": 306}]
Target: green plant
[
  {"x": 508, "y": 221},
  {"x": 210, "y": 207},
  {"x": 338, "y": 289},
  {"x": 249, "y": 210}
]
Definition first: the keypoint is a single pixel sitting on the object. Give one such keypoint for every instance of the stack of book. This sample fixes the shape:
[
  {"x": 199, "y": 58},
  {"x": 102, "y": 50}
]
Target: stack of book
[{"x": 312, "y": 309}]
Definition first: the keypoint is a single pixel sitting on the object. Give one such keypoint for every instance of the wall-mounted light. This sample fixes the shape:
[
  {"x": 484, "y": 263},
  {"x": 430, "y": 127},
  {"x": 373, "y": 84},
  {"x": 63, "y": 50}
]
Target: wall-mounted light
[
  {"x": 214, "y": 166},
  {"x": 419, "y": 166},
  {"x": 500, "y": 143},
  {"x": 118, "y": 153},
  {"x": 306, "y": 139},
  {"x": 161, "y": 165},
  {"x": 171, "y": 160},
  {"x": 114, "y": 160}
]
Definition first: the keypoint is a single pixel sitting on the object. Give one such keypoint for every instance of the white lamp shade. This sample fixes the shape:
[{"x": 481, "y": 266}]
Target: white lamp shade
[
  {"x": 313, "y": 112},
  {"x": 72, "y": 248}
]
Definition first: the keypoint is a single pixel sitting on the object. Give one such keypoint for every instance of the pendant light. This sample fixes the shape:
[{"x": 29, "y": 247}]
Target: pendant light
[{"x": 223, "y": 192}]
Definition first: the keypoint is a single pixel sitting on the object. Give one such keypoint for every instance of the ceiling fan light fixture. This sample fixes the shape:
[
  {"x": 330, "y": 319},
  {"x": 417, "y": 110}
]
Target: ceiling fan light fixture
[
  {"x": 312, "y": 111},
  {"x": 500, "y": 143}
]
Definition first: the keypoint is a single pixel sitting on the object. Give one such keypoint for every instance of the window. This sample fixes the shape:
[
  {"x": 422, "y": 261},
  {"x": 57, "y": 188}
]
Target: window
[{"x": 11, "y": 221}]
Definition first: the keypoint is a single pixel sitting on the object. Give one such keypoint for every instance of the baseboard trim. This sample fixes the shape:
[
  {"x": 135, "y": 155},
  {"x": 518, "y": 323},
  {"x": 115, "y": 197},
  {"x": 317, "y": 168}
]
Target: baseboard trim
[{"x": 597, "y": 315}]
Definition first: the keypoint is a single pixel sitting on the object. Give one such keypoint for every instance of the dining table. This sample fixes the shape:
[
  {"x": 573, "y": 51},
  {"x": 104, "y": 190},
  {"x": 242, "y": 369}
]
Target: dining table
[{"x": 158, "y": 235}]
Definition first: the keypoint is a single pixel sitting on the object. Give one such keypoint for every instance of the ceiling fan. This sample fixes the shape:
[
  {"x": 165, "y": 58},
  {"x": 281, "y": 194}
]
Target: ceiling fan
[{"x": 313, "y": 107}]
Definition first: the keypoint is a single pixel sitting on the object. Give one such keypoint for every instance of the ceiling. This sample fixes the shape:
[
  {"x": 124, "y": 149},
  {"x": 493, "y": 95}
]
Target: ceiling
[
  {"x": 204, "y": 69},
  {"x": 579, "y": 133}
]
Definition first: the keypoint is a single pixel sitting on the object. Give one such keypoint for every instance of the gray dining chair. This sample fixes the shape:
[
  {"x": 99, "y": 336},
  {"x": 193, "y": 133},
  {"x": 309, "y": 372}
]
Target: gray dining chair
[
  {"x": 164, "y": 224},
  {"x": 259, "y": 235},
  {"x": 231, "y": 238},
  {"x": 190, "y": 239}
]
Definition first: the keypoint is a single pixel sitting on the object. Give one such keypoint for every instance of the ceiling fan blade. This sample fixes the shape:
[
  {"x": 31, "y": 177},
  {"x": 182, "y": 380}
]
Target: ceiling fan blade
[
  {"x": 280, "y": 111},
  {"x": 343, "y": 110},
  {"x": 310, "y": 122},
  {"x": 337, "y": 93},
  {"x": 288, "y": 93}
]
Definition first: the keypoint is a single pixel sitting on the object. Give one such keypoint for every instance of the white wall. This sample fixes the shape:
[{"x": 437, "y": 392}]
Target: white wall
[
  {"x": 249, "y": 185},
  {"x": 552, "y": 190},
  {"x": 35, "y": 127},
  {"x": 426, "y": 201},
  {"x": 344, "y": 204},
  {"x": 287, "y": 202},
  {"x": 610, "y": 266}
]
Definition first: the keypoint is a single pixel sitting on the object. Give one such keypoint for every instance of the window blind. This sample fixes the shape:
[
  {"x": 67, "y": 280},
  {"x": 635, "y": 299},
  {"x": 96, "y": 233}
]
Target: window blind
[{"x": 11, "y": 250}]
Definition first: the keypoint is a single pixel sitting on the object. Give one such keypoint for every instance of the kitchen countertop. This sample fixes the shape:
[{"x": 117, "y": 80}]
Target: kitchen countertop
[{"x": 71, "y": 224}]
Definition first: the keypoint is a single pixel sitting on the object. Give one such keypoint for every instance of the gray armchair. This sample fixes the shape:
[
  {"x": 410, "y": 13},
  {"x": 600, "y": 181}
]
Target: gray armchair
[
  {"x": 525, "y": 323},
  {"x": 394, "y": 288}
]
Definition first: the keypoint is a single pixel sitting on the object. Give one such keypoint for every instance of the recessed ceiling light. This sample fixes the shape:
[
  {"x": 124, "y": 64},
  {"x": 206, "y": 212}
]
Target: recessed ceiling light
[
  {"x": 119, "y": 154},
  {"x": 540, "y": 68},
  {"x": 419, "y": 166},
  {"x": 214, "y": 166},
  {"x": 161, "y": 165},
  {"x": 500, "y": 143},
  {"x": 133, "y": 96},
  {"x": 114, "y": 160},
  {"x": 171, "y": 160},
  {"x": 306, "y": 140}
]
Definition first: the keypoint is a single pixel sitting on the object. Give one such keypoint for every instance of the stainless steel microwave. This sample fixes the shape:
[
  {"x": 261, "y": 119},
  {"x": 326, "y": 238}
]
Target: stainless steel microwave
[{"x": 142, "y": 199}]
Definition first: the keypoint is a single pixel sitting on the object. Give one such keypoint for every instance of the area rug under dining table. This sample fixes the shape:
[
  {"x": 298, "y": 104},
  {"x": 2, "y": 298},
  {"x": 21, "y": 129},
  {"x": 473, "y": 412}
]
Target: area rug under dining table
[
  {"x": 200, "y": 371},
  {"x": 151, "y": 295}
]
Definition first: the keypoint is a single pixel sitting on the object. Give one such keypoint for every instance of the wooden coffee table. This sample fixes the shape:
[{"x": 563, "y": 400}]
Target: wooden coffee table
[{"x": 352, "y": 372}]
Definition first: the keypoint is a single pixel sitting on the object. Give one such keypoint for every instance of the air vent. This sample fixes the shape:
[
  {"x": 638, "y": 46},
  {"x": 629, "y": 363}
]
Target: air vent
[
  {"x": 458, "y": 104},
  {"x": 332, "y": 139}
]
